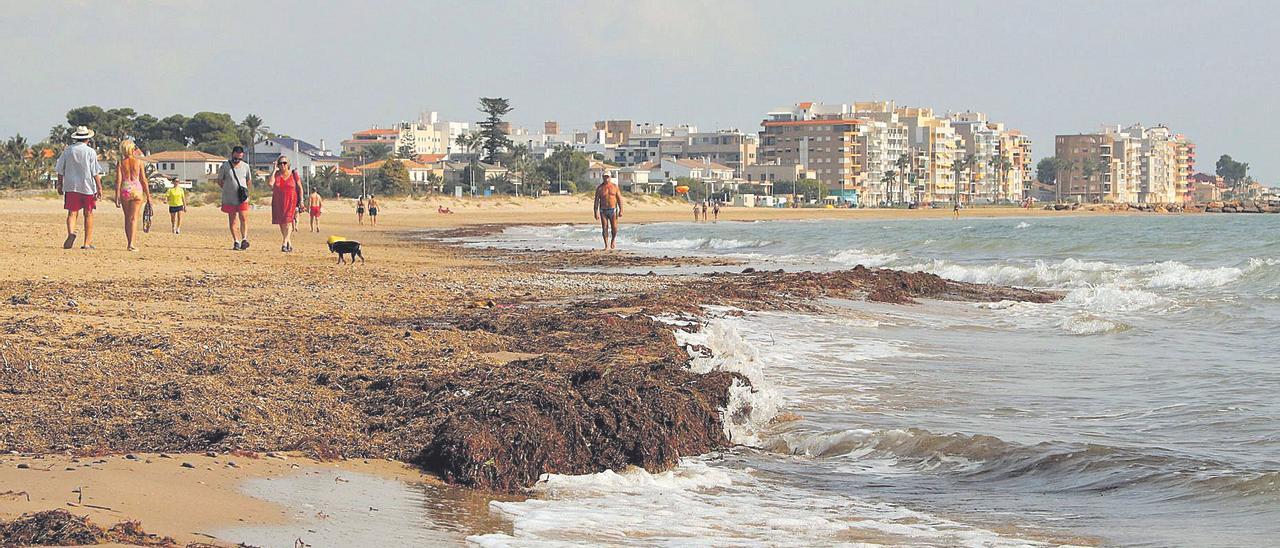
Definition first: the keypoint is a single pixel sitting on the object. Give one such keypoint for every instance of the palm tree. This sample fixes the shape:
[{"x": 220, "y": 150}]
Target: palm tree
[
  {"x": 376, "y": 151},
  {"x": 890, "y": 177},
  {"x": 472, "y": 142},
  {"x": 959, "y": 168},
  {"x": 521, "y": 163},
  {"x": 904, "y": 166},
  {"x": 255, "y": 129},
  {"x": 1063, "y": 166}
]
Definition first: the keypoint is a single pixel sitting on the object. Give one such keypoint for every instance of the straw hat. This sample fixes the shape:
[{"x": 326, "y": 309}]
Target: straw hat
[{"x": 82, "y": 133}]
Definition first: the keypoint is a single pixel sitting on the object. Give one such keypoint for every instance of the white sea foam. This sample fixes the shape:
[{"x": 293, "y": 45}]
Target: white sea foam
[
  {"x": 870, "y": 259},
  {"x": 703, "y": 504},
  {"x": 750, "y": 408},
  {"x": 1074, "y": 273},
  {"x": 1023, "y": 224},
  {"x": 700, "y": 244}
]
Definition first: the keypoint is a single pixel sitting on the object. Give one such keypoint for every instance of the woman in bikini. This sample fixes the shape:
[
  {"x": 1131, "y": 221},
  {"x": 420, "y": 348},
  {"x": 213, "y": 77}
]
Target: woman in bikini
[
  {"x": 284, "y": 201},
  {"x": 360, "y": 209},
  {"x": 132, "y": 192}
]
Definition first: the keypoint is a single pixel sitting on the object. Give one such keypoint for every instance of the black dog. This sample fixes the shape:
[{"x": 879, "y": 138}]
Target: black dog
[{"x": 346, "y": 247}]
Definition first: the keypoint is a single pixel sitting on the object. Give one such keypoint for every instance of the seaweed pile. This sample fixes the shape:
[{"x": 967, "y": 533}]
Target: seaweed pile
[{"x": 490, "y": 375}]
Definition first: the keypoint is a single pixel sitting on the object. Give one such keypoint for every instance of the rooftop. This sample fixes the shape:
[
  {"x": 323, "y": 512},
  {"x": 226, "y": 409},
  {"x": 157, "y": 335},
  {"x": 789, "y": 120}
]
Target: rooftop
[{"x": 183, "y": 156}]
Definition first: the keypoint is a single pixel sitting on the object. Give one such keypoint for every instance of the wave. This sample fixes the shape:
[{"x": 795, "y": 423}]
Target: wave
[
  {"x": 1076, "y": 273},
  {"x": 701, "y": 244},
  {"x": 750, "y": 408},
  {"x": 706, "y": 504},
  {"x": 1046, "y": 466},
  {"x": 870, "y": 259}
]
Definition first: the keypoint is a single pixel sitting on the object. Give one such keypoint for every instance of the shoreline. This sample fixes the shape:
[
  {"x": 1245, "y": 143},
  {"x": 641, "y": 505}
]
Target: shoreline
[{"x": 208, "y": 353}]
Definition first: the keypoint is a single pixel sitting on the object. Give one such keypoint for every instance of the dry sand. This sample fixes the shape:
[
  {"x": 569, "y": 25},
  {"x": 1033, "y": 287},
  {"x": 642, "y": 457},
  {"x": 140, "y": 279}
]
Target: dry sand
[{"x": 148, "y": 292}]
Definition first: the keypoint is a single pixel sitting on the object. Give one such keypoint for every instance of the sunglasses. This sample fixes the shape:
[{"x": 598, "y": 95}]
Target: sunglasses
[{"x": 282, "y": 163}]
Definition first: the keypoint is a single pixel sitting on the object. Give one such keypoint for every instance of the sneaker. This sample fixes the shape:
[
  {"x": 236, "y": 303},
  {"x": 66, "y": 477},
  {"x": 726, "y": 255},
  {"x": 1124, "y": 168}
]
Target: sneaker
[
  {"x": 235, "y": 246},
  {"x": 244, "y": 244},
  {"x": 177, "y": 231}
]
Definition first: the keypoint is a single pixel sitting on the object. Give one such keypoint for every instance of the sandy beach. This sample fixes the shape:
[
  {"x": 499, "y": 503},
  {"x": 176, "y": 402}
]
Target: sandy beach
[{"x": 187, "y": 345}]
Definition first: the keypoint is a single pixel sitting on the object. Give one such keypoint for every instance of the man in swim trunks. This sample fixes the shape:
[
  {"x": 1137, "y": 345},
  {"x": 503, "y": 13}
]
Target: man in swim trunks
[
  {"x": 373, "y": 211},
  {"x": 315, "y": 202},
  {"x": 608, "y": 209}
]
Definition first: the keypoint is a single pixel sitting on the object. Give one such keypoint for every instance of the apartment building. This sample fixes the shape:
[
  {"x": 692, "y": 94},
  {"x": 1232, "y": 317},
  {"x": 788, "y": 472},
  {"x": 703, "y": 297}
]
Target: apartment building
[
  {"x": 822, "y": 138},
  {"x": 935, "y": 145},
  {"x": 1133, "y": 164},
  {"x": 426, "y": 135},
  {"x": 729, "y": 147}
]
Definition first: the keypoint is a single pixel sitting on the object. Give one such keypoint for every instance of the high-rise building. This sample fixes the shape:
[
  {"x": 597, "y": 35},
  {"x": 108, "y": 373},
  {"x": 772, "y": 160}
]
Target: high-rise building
[
  {"x": 824, "y": 139},
  {"x": 551, "y": 127},
  {"x": 1133, "y": 164}
]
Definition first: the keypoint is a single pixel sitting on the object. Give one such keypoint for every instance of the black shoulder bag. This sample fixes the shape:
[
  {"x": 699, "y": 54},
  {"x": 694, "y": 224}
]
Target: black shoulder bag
[{"x": 242, "y": 193}]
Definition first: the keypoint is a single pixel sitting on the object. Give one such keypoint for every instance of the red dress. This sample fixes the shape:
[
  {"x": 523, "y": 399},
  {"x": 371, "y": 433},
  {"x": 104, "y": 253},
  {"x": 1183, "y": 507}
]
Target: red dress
[{"x": 284, "y": 198}]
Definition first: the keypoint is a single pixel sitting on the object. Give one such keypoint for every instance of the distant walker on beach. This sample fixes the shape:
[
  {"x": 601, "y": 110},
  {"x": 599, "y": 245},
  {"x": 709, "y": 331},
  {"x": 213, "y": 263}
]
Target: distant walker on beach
[{"x": 608, "y": 209}]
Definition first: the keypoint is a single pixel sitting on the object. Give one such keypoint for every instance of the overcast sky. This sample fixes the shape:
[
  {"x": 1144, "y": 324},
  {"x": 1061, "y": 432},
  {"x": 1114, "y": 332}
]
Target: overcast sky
[{"x": 319, "y": 70}]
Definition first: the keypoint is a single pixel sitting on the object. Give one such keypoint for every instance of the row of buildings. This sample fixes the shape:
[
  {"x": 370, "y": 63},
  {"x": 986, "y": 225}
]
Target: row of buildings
[
  {"x": 886, "y": 154},
  {"x": 1133, "y": 164},
  {"x": 872, "y": 153},
  {"x": 868, "y": 153}
]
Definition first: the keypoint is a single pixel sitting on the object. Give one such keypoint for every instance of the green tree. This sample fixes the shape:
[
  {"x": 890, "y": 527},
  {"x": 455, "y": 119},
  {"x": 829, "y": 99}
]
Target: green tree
[
  {"x": 697, "y": 189},
  {"x": 1047, "y": 170},
  {"x": 393, "y": 178},
  {"x": 565, "y": 165},
  {"x": 212, "y": 132},
  {"x": 376, "y": 151},
  {"x": 492, "y": 134},
  {"x": 254, "y": 130},
  {"x": 890, "y": 180},
  {"x": 406, "y": 152},
  {"x": 1235, "y": 174}
]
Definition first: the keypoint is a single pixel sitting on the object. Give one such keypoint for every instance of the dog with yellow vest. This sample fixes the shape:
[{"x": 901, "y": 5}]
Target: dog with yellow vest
[{"x": 344, "y": 247}]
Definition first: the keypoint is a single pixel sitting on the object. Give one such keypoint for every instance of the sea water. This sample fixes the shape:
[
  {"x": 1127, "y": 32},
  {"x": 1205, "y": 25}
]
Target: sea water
[{"x": 1143, "y": 409}]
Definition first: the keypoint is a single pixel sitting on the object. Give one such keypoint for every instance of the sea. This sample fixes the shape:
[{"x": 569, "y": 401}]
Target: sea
[{"x": 1143, "y": 409}]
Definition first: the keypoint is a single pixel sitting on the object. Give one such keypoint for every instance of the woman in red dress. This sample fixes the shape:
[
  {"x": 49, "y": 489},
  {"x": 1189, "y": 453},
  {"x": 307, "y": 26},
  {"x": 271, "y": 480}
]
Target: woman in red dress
[{"x": 284, "y": 201}]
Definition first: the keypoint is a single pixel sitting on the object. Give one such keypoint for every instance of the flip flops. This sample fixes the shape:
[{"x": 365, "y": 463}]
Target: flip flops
[{"x": 70, "y": 241}]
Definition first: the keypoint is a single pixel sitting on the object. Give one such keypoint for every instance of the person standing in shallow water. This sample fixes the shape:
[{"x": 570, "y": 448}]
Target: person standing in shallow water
[
  {"x": 608, "y": 209},
  {"x": 80, "y": 184}
]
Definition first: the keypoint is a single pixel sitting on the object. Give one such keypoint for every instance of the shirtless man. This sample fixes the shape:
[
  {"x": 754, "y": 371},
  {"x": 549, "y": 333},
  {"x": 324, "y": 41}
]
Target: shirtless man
[
  {"x": 608, "y": 209},
  {"x": 314, "y": 203}
]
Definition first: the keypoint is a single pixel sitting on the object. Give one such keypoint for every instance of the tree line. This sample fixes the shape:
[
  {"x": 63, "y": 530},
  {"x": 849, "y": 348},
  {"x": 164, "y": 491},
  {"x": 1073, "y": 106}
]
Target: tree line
[{"x": 24, "y": 164}]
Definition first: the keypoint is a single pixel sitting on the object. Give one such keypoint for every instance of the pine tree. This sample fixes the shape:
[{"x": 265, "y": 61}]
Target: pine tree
[{"x": 492, "y": 133}]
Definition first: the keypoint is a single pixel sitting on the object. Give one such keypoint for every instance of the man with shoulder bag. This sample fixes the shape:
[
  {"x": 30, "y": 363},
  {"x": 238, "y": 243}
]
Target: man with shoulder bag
[{"x": 234, "y": 177}]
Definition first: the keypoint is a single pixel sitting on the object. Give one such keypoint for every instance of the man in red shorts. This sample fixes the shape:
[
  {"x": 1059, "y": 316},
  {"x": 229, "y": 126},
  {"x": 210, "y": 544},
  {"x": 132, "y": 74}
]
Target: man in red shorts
[
  {"x": 235, "y": 177},
  {"x": 80, "y": 184},
  {"x": 316, "y": 203}
]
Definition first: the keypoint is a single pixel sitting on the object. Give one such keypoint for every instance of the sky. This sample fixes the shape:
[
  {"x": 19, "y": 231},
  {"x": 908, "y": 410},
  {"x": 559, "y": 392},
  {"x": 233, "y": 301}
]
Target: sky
[{"x": 320, "y": 69}]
